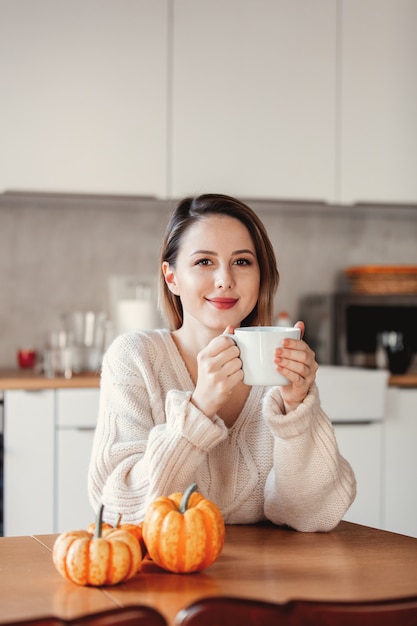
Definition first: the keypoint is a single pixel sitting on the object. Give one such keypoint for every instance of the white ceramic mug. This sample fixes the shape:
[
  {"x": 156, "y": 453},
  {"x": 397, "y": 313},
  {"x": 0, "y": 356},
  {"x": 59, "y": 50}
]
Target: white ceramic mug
[{"x": 257, "y": 346}]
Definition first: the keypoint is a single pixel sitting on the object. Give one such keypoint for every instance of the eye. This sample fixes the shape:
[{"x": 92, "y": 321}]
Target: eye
[
  {"x": 203, "y": 262},
  {"x": 243, "y": 262}
]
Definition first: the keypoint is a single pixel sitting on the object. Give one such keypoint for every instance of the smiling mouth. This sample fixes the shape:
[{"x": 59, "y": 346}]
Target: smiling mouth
[{"x": 222, "y": 303}]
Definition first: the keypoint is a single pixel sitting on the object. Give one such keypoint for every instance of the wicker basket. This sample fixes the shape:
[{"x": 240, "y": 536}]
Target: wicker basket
[{"x": 383, "y": 279}]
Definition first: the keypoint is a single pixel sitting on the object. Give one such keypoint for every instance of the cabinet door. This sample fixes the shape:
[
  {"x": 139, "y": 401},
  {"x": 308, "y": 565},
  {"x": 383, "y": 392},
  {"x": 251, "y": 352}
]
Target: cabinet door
[
  {"x": 401, "y": 462},
  {"x": 361, "y": 445},
  {"x": 254, "y": 98},
  {"x": 29, "y": 432},
  {"x": 77, "y": 408},
  {"x": 379, "y": 101},
  {"x": 72, "y": 505},
  {"x": 77, "y": 411},
  {"x": 84, "y": 96}
]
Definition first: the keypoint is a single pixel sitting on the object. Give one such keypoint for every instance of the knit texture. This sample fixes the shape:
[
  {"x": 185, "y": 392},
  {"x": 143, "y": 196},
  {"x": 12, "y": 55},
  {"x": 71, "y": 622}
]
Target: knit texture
[{"x": 151, "y": 440}]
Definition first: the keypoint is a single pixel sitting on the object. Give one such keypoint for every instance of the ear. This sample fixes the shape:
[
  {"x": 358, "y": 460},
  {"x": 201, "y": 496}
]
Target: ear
[{"x": 169, "y": 276}]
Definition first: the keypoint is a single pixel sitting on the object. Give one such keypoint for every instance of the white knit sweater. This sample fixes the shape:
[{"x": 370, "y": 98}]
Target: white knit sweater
[{"x": 151, "y": 440}]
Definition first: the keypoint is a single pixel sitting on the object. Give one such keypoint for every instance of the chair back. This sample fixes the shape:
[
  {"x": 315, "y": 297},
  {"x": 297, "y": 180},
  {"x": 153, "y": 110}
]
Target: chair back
[{"x": 228, "y": 611}]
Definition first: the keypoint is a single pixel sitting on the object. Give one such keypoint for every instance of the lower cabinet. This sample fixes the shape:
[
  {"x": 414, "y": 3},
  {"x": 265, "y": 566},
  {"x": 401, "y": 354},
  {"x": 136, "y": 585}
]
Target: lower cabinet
[
  {"x": 362, "y": 445},
  {"x": 29, "y": 462},
  {"x": 383, "y": 457},
  {"x": 77, "y": 411},
  {"x": 47, "y": 439},
  {"x": 400, "y": 462}
]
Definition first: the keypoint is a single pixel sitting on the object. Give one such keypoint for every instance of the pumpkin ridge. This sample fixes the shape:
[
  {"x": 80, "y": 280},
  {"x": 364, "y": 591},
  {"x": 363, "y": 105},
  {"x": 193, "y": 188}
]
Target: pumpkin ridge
[
  {"x": 157, "y": 538},
  {"x": 131, "y": 563},
  {"x": 64, "y": 561},
  {"x": 182, "y": 544},
  {"x": 88, "y": 563},
  {"x": 209, "y": 553},
  {"x": 109, "y": 568},
  {"x": 195, "y": 529}
]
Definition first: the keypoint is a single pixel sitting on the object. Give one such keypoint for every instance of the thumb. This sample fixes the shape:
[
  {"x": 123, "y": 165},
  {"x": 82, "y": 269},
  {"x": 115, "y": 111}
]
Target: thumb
[{"x": 301, "y": 326}]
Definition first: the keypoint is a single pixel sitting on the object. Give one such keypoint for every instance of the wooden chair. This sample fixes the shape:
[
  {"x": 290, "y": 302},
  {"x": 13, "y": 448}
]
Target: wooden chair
[
  {"x": 228, "y": 611},
  {"x": 126, "y": 616}
]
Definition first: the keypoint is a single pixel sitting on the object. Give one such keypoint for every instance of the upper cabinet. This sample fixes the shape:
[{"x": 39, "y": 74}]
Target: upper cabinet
[
  {"x": 268, "y": 99},
  {"x": 253, "y": 105},
  {"x": 378, "y": 101},
  {"x": 84, "y": 96}
]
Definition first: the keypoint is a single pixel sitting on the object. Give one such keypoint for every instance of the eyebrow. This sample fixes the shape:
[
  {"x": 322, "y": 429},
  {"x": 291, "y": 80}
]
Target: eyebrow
[{"x": 235, "y": 252}]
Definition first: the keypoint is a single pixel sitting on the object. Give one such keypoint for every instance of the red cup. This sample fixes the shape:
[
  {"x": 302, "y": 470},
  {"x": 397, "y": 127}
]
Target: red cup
[{"x": 26, "y": 358}]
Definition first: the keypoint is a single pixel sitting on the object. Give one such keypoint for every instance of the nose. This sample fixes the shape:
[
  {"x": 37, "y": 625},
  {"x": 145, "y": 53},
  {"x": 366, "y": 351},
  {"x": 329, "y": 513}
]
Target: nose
[{"x": 224, "y": 278}]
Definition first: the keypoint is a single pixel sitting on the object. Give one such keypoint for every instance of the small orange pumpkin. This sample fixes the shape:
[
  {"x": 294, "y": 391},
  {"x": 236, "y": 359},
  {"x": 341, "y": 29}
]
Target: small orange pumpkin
[
  {"x": 184, "y": 532},
  {"x": 134, "y": 529},
  {"x": 99, "y": 559}
]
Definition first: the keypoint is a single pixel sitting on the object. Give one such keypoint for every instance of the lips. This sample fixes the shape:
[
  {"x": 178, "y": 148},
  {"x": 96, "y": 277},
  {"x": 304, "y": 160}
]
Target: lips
[{"x": 222, "y": 303}]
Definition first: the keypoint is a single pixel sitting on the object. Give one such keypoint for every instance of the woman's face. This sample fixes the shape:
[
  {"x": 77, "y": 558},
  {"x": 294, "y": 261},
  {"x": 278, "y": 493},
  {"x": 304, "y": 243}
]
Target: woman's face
[{"x": 217, "y": 274}]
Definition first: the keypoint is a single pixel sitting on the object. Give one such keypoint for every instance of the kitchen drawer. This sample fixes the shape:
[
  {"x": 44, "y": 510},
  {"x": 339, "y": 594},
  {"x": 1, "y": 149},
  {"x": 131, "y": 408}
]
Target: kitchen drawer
[{"x": 77, "y": 408}]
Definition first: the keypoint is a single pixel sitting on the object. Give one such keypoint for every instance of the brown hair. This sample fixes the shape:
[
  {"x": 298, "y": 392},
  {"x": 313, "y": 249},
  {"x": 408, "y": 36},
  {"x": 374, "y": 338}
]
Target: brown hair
[{"x": 187, "y": 213}]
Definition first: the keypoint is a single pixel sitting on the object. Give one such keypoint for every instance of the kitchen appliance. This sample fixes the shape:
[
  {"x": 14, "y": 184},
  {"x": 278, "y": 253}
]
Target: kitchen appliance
[
  {"x": 86, "y": 334},
  {"x": 133, "y": 303},
  {"x": 343, "y": 328}
]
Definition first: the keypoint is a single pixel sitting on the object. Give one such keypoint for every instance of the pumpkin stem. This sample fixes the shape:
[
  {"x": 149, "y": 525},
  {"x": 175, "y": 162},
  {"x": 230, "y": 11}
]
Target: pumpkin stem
[
  {"x": 119, "y": 520},
  {"x": 99, "y": 523},
  {"x": 186, "y": 496}
]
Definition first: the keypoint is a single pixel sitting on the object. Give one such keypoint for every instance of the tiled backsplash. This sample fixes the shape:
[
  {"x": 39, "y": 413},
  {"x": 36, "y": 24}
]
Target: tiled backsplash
[{"x": 57, "y": 252}]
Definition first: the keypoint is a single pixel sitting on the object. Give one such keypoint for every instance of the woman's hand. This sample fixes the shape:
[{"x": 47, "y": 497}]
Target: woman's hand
[
  {"x": 296, "y": 361},
  {"x": 219, "y": 370}
]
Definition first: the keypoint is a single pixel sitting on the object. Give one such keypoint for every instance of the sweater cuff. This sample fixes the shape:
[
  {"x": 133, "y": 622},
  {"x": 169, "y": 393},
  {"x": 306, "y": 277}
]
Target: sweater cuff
[
  {"x": 184, "y": 417},
  {"x": 295, "y": 422}
]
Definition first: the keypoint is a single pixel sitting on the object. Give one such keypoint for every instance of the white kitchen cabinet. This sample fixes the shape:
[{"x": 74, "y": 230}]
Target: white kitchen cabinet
[
  {"x": 48, "y": 439},
  {"x": 253, "y": 105},
  {"x": 84, "y": 96},
  {"x": 400, "y": 461},
  {"x": 29, "y": 434},
  {"x": 361, "y": 445},
  {"x": 77, "y": 411},
  {"x": 378, "y": 74}
]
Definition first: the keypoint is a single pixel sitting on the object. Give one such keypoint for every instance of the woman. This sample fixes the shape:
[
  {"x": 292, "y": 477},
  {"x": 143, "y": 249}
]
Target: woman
[{"x": 174, "y": 409}]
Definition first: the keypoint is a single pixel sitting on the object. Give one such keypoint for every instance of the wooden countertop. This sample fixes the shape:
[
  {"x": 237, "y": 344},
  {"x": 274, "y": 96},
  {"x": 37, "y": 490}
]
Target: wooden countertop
[
  {"x": 403, "y": 380},
  {"x": 264, "y": 562},
  {"x": 31, "y": 380}
]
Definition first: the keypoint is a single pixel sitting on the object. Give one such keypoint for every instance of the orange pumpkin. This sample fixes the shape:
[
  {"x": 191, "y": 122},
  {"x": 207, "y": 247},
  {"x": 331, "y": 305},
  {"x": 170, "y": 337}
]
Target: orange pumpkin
[
  {"x": 134, "y": 529},
  {"x": 99, "y": 559},
  {"x": 184, "y": 532}
]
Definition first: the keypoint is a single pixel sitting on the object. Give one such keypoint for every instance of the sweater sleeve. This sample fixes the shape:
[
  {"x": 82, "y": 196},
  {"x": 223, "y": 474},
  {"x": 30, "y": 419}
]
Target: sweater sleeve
[
  {"x": 146, "y": 444},
  {"x": 310, "y": 486}
]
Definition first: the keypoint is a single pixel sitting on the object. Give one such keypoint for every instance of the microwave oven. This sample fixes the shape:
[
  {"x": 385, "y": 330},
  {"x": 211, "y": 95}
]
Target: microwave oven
[{"x": 342, "y": 328}]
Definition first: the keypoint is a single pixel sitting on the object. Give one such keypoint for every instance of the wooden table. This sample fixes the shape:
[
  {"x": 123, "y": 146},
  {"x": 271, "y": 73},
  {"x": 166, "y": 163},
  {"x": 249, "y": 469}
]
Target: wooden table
[{"x": 264, "y": 562}]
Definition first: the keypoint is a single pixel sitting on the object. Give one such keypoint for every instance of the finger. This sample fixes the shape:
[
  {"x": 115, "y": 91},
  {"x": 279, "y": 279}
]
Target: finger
[
  {"x": 305, "y": 368},
  {"x": 218, "y": 345},
  {"x": 291, "y": 354},
  {"x": 301, "y": 326}
]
